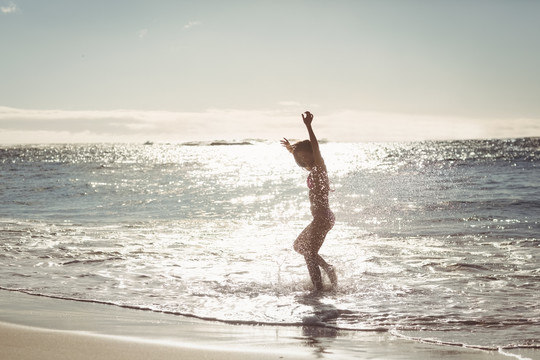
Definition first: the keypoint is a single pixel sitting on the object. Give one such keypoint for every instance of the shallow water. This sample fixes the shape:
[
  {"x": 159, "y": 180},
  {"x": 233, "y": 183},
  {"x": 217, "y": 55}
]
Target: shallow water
[{"x": 433, "y": 240}]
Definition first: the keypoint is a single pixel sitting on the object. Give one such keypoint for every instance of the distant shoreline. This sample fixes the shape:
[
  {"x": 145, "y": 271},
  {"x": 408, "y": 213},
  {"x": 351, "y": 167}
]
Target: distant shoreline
[{"x": 264, "y": 141}]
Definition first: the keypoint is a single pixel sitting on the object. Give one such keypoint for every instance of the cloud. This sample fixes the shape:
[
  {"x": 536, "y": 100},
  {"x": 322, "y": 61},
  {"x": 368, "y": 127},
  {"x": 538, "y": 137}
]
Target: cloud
[
  {"x": 143, "y": 33},
  {"x": 46, "y": 126},
  {"x": 63, "y": 126},
  {"x": 289, "y": 103},
  {"x": 9, "y": 8},
  {"x": 191, "y": 24},
  {"x": 298, "y": 106},
  {"x": 371, "y": 126}
]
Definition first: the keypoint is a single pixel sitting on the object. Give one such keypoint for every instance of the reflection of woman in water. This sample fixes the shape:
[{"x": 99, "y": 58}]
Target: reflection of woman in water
[{"x": 307, "y": 155}]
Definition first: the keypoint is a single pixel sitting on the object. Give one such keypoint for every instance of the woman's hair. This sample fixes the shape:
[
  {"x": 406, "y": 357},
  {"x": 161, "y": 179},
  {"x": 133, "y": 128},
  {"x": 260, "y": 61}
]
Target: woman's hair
[{"x": 301, "y": 146}]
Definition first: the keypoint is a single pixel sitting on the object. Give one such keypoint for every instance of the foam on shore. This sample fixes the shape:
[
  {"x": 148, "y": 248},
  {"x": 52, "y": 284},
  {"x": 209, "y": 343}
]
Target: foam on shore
[{"x": 37, "y": 327}]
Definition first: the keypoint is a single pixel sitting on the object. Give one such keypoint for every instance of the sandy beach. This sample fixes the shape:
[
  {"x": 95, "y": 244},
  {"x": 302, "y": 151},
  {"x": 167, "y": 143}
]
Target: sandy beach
[
  {"x": 35, "y": 327},
  {"x": 21, "y": 342}
]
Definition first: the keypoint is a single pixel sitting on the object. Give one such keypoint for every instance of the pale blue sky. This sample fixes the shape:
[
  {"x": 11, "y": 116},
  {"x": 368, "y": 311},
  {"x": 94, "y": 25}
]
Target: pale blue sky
[{"x": 175, "y": 70}]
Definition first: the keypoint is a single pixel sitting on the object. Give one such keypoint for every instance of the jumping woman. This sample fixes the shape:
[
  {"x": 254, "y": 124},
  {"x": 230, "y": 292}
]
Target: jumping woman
[{"x": 308, "y": 156}]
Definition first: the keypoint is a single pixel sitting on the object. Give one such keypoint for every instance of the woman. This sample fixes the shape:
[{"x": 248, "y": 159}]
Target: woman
[{"x": 307, "y": 155}]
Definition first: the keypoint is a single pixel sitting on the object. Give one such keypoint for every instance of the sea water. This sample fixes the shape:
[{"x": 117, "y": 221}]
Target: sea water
[{"x": 436, "y": 241}]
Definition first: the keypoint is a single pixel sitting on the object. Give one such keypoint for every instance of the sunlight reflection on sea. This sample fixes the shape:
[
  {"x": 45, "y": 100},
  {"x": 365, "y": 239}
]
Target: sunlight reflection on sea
[{"x": 434, "y": 237}]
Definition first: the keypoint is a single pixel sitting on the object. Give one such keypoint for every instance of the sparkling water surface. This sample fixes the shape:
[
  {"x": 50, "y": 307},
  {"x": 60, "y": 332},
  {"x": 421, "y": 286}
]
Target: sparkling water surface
[{"x": 435, "y": 240}]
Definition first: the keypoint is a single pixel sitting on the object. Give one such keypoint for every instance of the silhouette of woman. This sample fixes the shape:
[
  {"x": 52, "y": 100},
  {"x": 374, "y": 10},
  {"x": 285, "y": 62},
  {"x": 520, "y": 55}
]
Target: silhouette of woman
[{"x": 308, "y": 156}]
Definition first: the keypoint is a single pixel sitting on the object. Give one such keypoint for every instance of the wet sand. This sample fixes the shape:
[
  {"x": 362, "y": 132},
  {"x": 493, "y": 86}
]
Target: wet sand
[{"x": 33, "y": 327}]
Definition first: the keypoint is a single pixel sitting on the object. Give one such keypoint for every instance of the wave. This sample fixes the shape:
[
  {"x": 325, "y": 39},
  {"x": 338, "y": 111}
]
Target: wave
[
  {"x": 427, "y": 340},
  {"x": 314, "y": 321},
  {"x": 308, "y": 321},
  {"x": 91, "y": 261}
]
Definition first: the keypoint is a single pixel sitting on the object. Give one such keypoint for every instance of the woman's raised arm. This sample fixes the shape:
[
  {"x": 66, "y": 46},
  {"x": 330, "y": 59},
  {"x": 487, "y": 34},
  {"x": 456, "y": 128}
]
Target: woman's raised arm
[{"x": 308, "y": 119}]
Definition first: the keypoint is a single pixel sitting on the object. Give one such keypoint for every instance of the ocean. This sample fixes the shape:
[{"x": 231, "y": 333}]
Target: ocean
[{"x": 434, "y": 241}]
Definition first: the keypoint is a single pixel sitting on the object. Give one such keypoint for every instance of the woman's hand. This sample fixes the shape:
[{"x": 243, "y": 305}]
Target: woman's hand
[
  {"x": 287, "y": 145},
  {"x": 308, "y": 118}
]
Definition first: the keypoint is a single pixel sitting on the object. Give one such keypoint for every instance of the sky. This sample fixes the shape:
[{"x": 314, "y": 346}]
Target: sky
[{"x": 179, "y": 70}]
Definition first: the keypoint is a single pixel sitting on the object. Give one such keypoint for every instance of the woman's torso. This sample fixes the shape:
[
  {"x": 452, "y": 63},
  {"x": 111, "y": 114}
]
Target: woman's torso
[{"x": 319, "y": 187}]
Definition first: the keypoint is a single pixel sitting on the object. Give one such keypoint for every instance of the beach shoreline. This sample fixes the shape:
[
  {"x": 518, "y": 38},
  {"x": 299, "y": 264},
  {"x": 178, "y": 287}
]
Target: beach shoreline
[
  {"x": 40, "y": 327},
  {"x": 22, "y": 342}
]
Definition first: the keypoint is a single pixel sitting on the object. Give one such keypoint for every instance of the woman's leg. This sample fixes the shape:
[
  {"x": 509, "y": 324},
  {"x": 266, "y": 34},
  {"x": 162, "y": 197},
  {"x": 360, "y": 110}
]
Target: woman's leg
[
  {"x": 320, "y": 229},
  {"x": 302, "y": 242},
  {"x": 308, "y": 244},
  {"x": 314, "y": 271},
  {"x": 328, "y": 269}
]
